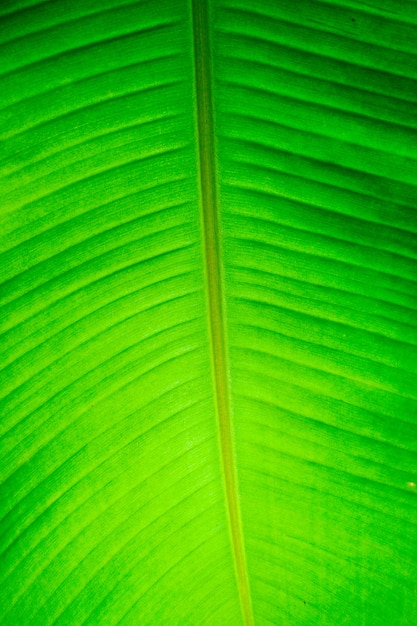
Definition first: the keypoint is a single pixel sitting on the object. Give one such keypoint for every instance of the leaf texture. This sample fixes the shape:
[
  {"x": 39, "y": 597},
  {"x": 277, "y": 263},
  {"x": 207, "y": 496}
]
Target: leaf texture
[{"x": 208, "y": 291}]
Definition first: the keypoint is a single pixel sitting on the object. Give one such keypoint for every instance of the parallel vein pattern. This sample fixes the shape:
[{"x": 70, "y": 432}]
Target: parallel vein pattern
[
  {"x": 315, "y": 103},
  {"x": 112, "y": 506},
  {"x": 263, "y": 149}
]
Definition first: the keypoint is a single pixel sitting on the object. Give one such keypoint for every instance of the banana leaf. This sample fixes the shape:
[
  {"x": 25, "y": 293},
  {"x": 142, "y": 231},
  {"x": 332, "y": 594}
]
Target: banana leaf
[{"x": 208, "y": 312}]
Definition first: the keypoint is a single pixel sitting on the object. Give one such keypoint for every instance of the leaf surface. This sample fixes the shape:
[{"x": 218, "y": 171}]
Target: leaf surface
[{"x": 208, "y": 290}]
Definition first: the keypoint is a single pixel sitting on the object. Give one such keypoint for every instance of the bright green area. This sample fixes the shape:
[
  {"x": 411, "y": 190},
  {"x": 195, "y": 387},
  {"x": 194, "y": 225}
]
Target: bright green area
[{"x": 122, "y": 334}]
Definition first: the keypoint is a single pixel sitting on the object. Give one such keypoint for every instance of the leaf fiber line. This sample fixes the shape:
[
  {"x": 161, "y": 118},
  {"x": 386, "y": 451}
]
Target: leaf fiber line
[{"x": 214, "y": 279}]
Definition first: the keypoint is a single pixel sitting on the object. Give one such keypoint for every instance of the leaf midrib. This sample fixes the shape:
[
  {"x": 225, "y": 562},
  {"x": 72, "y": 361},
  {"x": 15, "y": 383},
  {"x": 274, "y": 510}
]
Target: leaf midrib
[{"x": 209, "y": 207}]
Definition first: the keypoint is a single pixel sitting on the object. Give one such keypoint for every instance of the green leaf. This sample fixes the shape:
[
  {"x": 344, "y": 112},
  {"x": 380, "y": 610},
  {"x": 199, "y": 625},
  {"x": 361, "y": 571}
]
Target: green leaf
[{"x": 208, "y": 290}]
